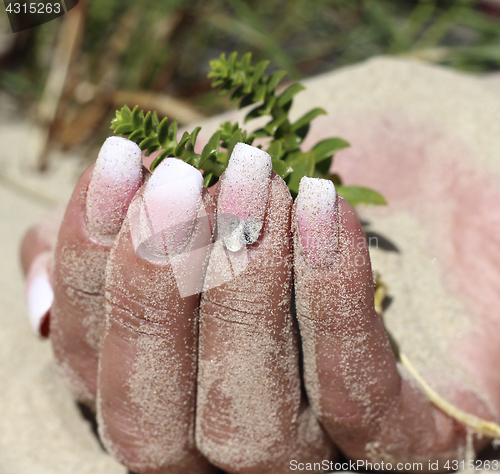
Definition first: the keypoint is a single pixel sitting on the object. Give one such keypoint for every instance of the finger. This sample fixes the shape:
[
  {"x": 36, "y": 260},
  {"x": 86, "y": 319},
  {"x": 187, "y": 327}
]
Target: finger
[
  {"x": 37, "y": 248},
  {"x": 41, "y": 237},
  {"x": 147, "y": 375},
  {"x": 350, "y": 371},
  {"x": 39, "y": 295},
  {"x": 93, "y": 217},
  {"x": 251, "y": 417}
]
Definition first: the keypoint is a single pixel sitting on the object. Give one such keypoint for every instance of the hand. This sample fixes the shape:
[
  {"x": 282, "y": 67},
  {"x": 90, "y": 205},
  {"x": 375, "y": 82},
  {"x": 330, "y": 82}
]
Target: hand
[{"x": 250, "y": 414}]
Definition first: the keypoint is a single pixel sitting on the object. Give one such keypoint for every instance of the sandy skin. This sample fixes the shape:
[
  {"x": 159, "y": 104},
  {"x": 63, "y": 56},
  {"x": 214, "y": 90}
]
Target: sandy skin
[
  {"x": 355, "y": 390},
  {"x": 474, "y": 375}
]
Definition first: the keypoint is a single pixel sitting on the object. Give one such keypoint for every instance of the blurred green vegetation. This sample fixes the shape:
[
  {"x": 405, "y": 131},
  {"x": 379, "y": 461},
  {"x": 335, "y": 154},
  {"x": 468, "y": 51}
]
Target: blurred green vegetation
[
  {"x": 170, "y": 42},
  {"x": 164, "y": 46}
]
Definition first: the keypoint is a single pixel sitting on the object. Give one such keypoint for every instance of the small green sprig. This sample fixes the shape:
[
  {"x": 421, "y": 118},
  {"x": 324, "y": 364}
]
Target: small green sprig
[
  {"x": 152, "y": 135},
  {"x": 250, "y": 86}
]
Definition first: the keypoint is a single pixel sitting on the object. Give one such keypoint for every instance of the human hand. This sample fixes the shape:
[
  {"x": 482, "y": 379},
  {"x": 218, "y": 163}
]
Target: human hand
[{"x": 250, "y": 415}]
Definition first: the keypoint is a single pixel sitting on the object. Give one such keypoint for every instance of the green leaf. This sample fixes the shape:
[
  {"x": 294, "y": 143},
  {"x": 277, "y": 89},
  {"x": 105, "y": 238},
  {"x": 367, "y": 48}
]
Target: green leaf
[
  {"x": 222, "y": 158},
  {"x": 237, "y": 94},
  {"x": 260, "y": 93},
  {"x": 151, "y": 149},
  {"x": 192, "y": 141},
  {"x": 217, "y": 83},
  {"x": 180, "y": 148},
  {"x": 335, "y": 179},
  {"x": 247, "y": 85},
  {"x": 246, "y": 101},
  {"x": 136, "y": 118},
  {"x": 259, "y": 70},
  {"x": 273, "y": 125},
  {"x": 291, "y": 142},
  {"x": 158, "y": 160},
  {"x": 235, "y": 138},
  {"x": 357, "y": 195},
  {"x": 148, "y": 124},
  {"x": 156, "y": 122},
  {"x": 255, "y": 112},
  {"x": 172, "y": 131},
  {"x": 327, "y": 148},
  {"x": 249, "y": 139},
  {"x": 322, "y": 169},
  {"x": 303, "y": 165},
  {"x": 163, "y": 132},
  {"x": 126, "y": 113},
  {"x": 227, "y": 129},
  {"x": 306, "y": 118},
  {"x": 268, "y": 106},
  {"x": 281, "y": 168},
  {"x": 274, "y": 80},
  {"x": 288, "y": 94},
  {"x": 148, "y": 143},
  {"x": 231, "y": 62},
  {"x": 206, "y": 179},
  {"x": 210, "y": 148},
  {"x": 124, "y": 129},
  {"x": 275, "y": 149},
  {"x": 260, "y": 133},
  {"x": 303, "y": 131},
  {"x": 246, "y": 59},
  {"x": 138, "y": 134}
]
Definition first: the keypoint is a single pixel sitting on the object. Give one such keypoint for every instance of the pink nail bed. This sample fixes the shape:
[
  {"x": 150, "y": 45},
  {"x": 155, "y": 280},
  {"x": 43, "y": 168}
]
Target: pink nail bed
[
  {"x": 316, "y": 219},
  {"x": 116, "y": 178},
  {"x": 162, "y": 220},
  {"x": 243, "y": 196}
]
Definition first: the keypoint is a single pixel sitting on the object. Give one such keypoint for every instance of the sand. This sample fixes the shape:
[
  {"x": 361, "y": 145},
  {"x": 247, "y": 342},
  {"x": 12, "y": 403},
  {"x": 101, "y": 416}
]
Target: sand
[{"x": 452, "y": 122}]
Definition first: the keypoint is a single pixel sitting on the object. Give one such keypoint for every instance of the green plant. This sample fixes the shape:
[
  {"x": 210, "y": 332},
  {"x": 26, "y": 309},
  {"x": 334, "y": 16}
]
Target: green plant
[{"x": 250, "y": 86}]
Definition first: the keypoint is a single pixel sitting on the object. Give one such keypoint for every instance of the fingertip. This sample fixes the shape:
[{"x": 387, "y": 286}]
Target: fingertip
[
  {"x": 244, "y": 195},
  {"x": 39, "y": 294},
  {"x": 116, "y": 177},
  {"x": 316, "y": 210}
]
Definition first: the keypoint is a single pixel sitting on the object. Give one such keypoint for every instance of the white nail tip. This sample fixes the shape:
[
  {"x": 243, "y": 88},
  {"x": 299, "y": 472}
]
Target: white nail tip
[
  {"x": 119, "y": 159},
  {"x": 39, "y": 299},
  {"x": 316, "y": 193},
  {"x": 171, "y": 171},
  {"x": 248, "y": 163}
]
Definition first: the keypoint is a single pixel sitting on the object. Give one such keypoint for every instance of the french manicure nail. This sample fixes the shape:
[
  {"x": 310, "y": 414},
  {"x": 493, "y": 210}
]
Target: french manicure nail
[
  {"x": 116, "y": 178},
  {"x": 316, "y": 220},
  {"x": 39, "y": 293},
  {"x": 243, "y": 196},
  {"x": 162, "y": 221}
]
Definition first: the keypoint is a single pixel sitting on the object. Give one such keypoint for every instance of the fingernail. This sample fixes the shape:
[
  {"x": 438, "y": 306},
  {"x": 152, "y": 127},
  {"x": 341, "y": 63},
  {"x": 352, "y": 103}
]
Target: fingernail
[
  {"x": 39, "y": 294},
  {"x": 243, "y": 196},
  {"x": 316, "y": 220},
  {"x": 116, "y": 178},
  {"x": 162, "y": 220}
]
